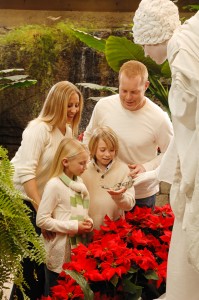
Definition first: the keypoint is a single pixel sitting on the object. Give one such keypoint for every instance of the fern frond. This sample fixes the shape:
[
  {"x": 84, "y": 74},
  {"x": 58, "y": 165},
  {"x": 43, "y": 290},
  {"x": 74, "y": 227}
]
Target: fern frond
[{"x": 18, "y": 236}]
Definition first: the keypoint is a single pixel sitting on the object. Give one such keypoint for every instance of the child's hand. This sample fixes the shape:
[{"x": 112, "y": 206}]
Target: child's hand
[
  {"x": 118, "y": 194},
  {"x": 85, "y": 226},
  {"x": 89, "y": 221},
  {"x": 48, "y": 235}
]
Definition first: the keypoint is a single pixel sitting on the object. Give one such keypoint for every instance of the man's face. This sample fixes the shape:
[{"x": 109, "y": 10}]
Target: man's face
[
  {"x": 131, "y": 91},
  {"x": 157, "y": 52}
]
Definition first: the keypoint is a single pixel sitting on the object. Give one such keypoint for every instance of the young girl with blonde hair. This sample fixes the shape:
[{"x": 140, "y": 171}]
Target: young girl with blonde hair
[
  {"x": 106, "y": 178},
  {"x": 64, "y": 207}
]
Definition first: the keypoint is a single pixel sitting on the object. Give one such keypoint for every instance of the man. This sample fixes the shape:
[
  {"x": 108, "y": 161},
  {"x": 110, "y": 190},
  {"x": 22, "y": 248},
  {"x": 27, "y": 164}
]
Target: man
[
  {"x": 141, "y": 126},
  {"x": 157, "y": 27}
]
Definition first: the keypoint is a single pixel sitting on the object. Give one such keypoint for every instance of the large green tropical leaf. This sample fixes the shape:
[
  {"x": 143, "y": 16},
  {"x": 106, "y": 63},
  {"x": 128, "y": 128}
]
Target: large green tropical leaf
[
  {"x": 191, "y": 7},
  {"x": 91, "y": 41},
  {"x": 18, "y": 84},
  {"x": 94, "y": 86},
  {"x": 10, "y": 71},
  {"x": 120, "y": 49},
  {"x": 159, "y": 91},
  {"x": 165, "y": 69},
  {"x": 15, "y": 81}
]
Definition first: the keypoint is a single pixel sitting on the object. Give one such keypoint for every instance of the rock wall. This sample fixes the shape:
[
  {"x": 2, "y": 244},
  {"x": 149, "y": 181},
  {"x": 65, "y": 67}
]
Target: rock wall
[{"x": 48, "y": 60}]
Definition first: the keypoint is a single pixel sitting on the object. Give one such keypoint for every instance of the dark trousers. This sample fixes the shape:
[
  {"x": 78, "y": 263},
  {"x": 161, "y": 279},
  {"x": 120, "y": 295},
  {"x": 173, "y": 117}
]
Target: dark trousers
[
  {"x": 148, "y": 201},
  {"x": 50, "y": 281},
  {"x": 33, "y": 273},
  {"x": 34, "y": 277}
]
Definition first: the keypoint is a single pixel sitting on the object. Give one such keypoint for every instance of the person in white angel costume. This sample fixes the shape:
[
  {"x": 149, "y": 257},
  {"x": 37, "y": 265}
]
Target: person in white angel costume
[{"x": 158, "y": 29}]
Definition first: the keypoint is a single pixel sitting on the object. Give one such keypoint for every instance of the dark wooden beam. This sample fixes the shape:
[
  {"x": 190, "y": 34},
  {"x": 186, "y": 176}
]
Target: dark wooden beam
[{"x": 71, "y": 5}]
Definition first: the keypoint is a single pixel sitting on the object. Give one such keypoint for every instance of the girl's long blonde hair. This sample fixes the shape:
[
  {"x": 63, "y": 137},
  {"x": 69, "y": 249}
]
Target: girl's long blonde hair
[
  {"x": 55, "y": 107},
  {"x": 69, "y": 148}
]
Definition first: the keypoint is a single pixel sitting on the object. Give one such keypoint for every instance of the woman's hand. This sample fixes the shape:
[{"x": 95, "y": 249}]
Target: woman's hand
[{"x": 150, "y": 177}]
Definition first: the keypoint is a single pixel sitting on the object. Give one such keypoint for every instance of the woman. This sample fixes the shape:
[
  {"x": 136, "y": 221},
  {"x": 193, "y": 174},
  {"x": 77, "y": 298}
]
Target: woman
[
  {"x": 59, "y": 118},
  {"x": 157, "y": 28}
]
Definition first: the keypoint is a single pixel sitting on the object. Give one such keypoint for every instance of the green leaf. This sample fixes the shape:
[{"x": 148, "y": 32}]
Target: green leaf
[
  {"x": 16, "y": 230},
  {"x": 91, "y": 41},
  {"x": 14, "y": 81},
  {"x": 191, "y": 7},
  {"x": 94, "y": 86},
  {"x": 13, "y": 78},
  {"x": 10, "y": 71},
  {"x": 119, "y": 50},
  {"x": 88, "y": 293},
  {"x": 151, "y": 275},
  {"x": 135, "y": 291},
  {"x": 114, "y": 280},
  {"x": 19, "y": 84},
  {"x": 133, "y": 270},
  {"x": 158, "y": 90},
  {"x": 165, "y": 69}
]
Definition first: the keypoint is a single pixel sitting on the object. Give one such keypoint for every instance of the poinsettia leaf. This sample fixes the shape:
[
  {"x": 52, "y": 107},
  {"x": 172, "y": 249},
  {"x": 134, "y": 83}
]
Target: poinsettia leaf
[
  {"x": 114, "y": 280},
  {"x": 134, "y": 290},
  {"x": 91, "y": 41},
  {"x": 88, "y": 293},
  {"x": 120, "y": 49},
  {"x": 151, "y": 275},
  {"x": 133, "y": 270}
]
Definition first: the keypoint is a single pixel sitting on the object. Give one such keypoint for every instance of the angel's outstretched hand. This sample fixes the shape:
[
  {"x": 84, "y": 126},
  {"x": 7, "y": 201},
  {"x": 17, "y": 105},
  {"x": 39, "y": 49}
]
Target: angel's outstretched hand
[{"x": 150, "y": 177}]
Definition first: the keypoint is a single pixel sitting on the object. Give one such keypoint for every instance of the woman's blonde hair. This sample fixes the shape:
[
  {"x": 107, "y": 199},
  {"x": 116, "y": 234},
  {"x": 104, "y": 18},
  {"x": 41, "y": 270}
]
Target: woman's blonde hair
[
  {"x": 55, "y": 107},
  {"x": 69, "y": 148},
  {"x": 107, "y": 135},
  {"x": 133, "y": 68}
]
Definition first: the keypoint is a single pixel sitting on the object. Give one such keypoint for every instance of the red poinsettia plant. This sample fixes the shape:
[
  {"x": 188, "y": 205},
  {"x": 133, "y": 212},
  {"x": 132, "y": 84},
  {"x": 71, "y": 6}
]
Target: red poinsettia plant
[{"x": 126, "y": 259}]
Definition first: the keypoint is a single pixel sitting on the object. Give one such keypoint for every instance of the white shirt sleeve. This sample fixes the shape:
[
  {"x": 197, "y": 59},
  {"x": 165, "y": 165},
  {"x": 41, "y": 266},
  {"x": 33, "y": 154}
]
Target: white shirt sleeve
[
  {"x": 163, "y": 137},
  {"x": 32, "y": 146}
]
